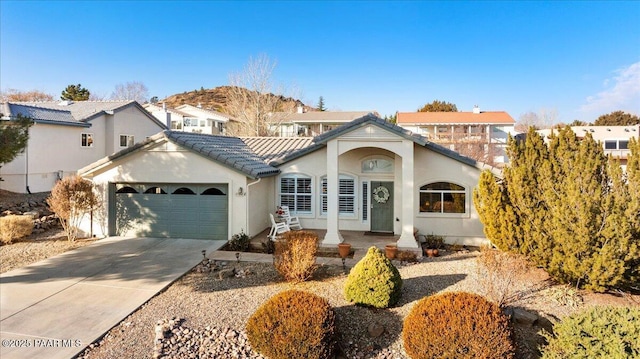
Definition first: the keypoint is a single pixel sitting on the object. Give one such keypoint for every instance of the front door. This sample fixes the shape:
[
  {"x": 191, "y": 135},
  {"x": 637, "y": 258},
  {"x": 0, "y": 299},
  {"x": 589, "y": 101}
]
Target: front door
[{"x": 382, "y": 207}]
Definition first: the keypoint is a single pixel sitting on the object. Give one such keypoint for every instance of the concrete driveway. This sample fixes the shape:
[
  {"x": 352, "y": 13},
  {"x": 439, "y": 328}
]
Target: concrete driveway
[{"x": 57, "y": 307}]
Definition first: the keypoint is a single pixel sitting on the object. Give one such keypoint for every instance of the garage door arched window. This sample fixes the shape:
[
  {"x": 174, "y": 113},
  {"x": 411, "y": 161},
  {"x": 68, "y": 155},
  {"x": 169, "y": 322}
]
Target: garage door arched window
[
  {"x": 126, "y": 189},
  {"x": 155, "y": 190},
  {"x": 212, "y": 192},
  {"x": 442, "y": 197},
  {"x": 295, "y": 192},
  {"x": 183, "y": 190}
]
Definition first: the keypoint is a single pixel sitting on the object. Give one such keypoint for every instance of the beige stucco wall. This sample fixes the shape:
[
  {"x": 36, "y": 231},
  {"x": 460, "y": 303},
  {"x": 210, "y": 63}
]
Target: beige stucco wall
[
  {"x": 456, "y": 228},
  {"x": 51, "y": 148},
  {"x": 429, "y": 167},
  {"x": 54, "y": 148},
  {"x": 168, "y": 163}
]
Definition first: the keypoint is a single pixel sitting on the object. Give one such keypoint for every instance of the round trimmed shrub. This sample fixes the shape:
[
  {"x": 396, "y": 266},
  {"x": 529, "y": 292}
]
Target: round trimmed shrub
[
  {"x": 374, "y": 281},
  {"x": 457, "y": 325},
  {"x": 601, "y": 332},
  {"x": 293, "y": 324}
]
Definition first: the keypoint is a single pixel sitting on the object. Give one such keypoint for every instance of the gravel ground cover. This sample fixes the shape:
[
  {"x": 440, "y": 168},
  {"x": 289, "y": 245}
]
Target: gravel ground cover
[{"x": 203, "y": 315}]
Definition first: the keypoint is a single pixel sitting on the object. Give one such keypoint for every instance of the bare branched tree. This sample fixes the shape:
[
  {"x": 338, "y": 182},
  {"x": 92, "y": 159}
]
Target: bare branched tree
[
  {"x": 134, "y": 90},
  {"x": 544, "y": 118},
  {"x": 13, "y": 95},
  {"x": 254, "y": 102}
]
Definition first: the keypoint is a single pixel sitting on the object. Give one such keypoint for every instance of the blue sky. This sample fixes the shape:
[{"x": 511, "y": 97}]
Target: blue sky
[{"x": 579, "y": 59}]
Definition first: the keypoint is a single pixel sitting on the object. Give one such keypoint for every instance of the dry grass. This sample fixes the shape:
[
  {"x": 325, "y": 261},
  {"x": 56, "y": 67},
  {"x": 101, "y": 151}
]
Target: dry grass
[
  {"x": 295, "y": 256},
  {"x": 15, "y": 227},
  {"x": 498, "y": 272},
  {"x": 36, "y": 248}
]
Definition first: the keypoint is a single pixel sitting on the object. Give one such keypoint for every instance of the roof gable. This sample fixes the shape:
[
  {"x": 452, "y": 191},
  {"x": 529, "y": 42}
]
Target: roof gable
[
  {"x": 231, "y": 152},
  {"x": 77, "y": 113}
]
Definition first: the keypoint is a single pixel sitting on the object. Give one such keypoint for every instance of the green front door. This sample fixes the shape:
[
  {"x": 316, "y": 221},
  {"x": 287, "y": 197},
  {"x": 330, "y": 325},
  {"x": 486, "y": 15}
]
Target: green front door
[{"x": 382, "y": 207}]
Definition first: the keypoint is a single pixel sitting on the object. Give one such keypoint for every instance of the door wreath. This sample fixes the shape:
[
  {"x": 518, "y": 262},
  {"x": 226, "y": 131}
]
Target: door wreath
[{"x": 381, "y": 194}]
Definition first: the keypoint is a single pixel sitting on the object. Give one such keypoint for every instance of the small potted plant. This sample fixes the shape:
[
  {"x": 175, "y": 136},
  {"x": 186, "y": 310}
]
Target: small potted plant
[
  {"x": 344, "y": 249},
  {"x": 432, "y": 245},
  {"x": 390, "y": 250}
]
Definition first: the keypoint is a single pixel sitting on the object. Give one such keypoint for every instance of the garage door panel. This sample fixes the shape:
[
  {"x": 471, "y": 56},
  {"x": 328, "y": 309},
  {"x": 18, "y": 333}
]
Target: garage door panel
[{"x": 169, "y": 211}]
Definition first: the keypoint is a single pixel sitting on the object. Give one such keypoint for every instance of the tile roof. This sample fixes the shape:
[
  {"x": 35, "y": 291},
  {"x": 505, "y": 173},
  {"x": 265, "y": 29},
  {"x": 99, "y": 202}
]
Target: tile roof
[
  {"x": 42, "y": 115},
  {"x": 80, "y": 110},
  {"x": 438, "y": 118},
  {"x": 322, "y": 116},
  {"x": 276, "y": 148},
  {"x": 74, "y": 112},
  {"x": 230, "y": 151}
]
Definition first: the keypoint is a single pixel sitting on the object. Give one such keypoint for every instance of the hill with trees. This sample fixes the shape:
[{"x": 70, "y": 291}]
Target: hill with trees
[{"x": 218, "y": 99}]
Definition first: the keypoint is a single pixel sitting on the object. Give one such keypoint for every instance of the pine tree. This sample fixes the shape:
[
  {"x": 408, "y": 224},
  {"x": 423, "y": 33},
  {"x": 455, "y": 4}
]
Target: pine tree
[
  {"x": 75, "y": 93},
  {"x": 321, "y": 104},
  {"x": 568, "y": 208}
]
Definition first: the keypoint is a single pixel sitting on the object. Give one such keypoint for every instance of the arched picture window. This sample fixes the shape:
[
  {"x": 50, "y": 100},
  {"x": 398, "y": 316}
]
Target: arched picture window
[
  {"x": 212, "y": 192},
  {"x": 183, "y": 190},
  {"x": 126, "y": 189},
  {"x": 442, "y": 197},
  {"x": 155, "y": 190}
]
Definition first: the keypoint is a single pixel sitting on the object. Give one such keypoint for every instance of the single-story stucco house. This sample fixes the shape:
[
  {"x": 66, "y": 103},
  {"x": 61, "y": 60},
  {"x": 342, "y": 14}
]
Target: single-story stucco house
[{"x": 367, "y": 175}]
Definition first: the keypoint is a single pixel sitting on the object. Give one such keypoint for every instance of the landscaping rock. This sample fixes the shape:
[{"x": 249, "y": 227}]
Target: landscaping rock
[
  {"x": 227, "y": 273},
  {"x": 375, "y": 330},
  {"x": 524, "y": 317}
]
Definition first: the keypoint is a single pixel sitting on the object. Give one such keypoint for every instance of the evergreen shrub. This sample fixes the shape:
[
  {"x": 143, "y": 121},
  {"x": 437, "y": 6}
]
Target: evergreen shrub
[
  {"x": 568, "y": 208},
  {"x": 295, "y": 255},
  {"x": 457, "y": 325},
  {"x": 374, "y": 281},
  {"x": 239, "y": 242},
  {"x": 601, "y": 332},
  {"x": 291, "y": 325},
  {"x": 14, "y": 227}
]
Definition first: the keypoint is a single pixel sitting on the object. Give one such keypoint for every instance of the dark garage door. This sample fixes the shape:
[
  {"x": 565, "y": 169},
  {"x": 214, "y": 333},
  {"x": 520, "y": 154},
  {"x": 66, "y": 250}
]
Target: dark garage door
[{"x": 195, "y": 211}]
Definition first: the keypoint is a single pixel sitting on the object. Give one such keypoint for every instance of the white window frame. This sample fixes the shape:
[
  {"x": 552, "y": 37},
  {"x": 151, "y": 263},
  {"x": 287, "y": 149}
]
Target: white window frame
[
  {"x": 311, "y": 194},
  {"x": 86, "y": 140},
  {"x": 465, "y": 191},
  {"x": 130, "y": 140},
  {"x": 354, "y": 195}
]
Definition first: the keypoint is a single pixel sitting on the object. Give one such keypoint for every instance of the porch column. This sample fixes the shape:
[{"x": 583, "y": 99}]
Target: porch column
[
  {"x": 408, "y": 195},
  {"x": 333, "y": 236}
]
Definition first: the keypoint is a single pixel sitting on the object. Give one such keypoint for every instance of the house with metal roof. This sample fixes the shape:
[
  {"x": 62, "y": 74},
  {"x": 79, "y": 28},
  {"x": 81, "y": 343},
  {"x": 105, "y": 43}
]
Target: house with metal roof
[
  {"x": 367, "y": 175},
  {"x": 478, "y": 134},
  {"x": 69, "y": 135}
]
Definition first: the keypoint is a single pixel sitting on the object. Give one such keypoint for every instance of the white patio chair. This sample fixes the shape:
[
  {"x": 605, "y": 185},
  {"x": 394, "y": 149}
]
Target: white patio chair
[
  {"x": 277, "y": 228},
  {"x": 292, "y": 222}
]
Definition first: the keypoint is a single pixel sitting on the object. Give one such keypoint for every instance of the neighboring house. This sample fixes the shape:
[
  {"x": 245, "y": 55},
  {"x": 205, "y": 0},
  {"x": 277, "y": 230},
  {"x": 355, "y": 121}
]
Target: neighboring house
[
  {"x": 312, "y": 123},
  {"x": 477, "y": 134},
  {"x": 614, "y": 139},
  {"x": 367, "y": 175},
  {"x": 189, "y": 118},
  {"x": 69, "y": 135}
]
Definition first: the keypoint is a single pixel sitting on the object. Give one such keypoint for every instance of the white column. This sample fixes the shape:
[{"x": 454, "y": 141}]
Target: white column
[
  {"x": 333, "y": 236},
  {"x": 408, "y": 195}
]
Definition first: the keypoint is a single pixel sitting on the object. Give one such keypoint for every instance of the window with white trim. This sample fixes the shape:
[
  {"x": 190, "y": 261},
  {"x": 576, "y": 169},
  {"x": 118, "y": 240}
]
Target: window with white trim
[
  {"x": 442, "y": 197},
  {"x": 295, "y": 192},
  {"x": 126, "y": 140},
  {"x": 346, "y": 195},
  {"x": 86, "y": 140}
]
